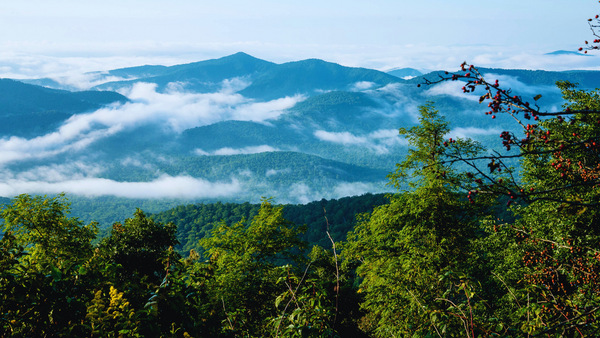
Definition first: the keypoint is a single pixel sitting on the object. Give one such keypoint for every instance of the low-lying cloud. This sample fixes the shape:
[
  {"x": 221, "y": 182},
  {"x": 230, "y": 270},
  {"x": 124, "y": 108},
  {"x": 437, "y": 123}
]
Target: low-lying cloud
[
  {"x": 379, "y": 141},
  {"x": 362, "y": 85},
  {"x": 394, "y": 102},
  {"x": 162, "y": 187},
  {"x": 236, "y": 151},
  {"x": 471, "y": 132},
  {"x": 272, "y": 172},
  {"x": 454, "y": 88},
  {"x": 176, "y": 111},
  {"x": 301, "y": 193}
]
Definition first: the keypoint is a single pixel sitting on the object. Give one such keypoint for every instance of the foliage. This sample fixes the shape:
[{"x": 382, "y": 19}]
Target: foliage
[
  {"x": 39, "y": 224},
  {"x": 411, "y": 248},
  {"x": 195, "y": 222}
]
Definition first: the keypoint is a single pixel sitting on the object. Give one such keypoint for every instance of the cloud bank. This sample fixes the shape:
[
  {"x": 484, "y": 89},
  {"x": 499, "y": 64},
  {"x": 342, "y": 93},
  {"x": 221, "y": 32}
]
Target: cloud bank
[
  {"x": 378, "y": 141},
  {"x": 163, "y": 187},
  {"x": 175, "y": 111},
  {"x": 231, "y": 151},
  {"x": 471, "y": 132}
]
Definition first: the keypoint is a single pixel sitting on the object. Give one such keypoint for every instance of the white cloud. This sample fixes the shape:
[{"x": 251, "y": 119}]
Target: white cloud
[
  {"x": 245, "y": 172},
  {"x": 362, "y": 85},
  {"x": 231, "y": 151},
  {"x": 175, "y": 110},
  {"x": 343, "y": 137},
  {"x": 471, "y": 132},
  {"x": 378, "y": 141},
  {"x": 163, "y": 187},
  {"x": 271, "y": 172},
  {"x": 54, "y": 172},
  {"x": 301, "y": 193},
  {"x": 352, "y": 189},
  {"x": 519, "y": 87},
  {"x": 451, "y": 88},
  {"x": 394, "y": 102},
  {"x": 135, "y": 162}
]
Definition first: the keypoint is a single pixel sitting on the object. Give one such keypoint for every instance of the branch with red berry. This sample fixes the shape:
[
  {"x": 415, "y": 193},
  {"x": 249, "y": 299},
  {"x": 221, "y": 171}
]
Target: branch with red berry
[{"x": 570, "y": 137}]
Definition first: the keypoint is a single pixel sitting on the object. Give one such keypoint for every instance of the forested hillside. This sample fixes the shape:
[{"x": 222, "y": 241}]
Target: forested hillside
[{"x": 195, "y": 222}]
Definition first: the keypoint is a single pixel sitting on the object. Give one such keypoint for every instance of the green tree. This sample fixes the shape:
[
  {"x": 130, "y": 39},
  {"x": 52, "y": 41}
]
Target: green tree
[
  {"x": 41, "y": 225},
  {"x": 415, "y": 253},
  {"x": 244, "y": 258},
  {"x": 549, "y": 257}
]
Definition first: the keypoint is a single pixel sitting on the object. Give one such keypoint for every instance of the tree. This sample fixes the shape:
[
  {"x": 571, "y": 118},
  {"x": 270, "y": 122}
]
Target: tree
[
  {"x": 415, "y": 252},
  {"x": 244, "y": 258},
  {"x": 41, "y": 225},
  {"x": 43, "y": 255},
  {"x": 548, "y": 259}
]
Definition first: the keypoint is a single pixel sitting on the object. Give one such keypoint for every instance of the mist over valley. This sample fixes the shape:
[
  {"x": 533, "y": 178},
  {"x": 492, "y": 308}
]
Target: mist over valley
[{"x": 230, "y": 129}]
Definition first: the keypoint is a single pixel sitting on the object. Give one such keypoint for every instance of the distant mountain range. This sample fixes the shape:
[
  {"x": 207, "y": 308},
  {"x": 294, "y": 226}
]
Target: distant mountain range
[
  {"x": 299, "y": 131},
  {"x": 566, "y": 52},
  {"x": 404, "y": 73}
]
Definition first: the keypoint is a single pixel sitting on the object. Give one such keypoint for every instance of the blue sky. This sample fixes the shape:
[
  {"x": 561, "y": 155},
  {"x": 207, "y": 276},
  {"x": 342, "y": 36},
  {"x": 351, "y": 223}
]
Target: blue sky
[{"x": 61, "y": 37}]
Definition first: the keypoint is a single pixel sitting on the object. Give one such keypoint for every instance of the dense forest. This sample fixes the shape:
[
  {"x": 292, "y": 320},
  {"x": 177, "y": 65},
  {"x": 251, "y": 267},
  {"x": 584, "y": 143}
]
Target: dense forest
[{"x": 195, "y": 222}]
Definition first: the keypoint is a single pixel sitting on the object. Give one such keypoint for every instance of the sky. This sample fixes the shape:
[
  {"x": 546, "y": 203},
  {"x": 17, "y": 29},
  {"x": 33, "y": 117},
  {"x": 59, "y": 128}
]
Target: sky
[{"x": 41, "y": 38}]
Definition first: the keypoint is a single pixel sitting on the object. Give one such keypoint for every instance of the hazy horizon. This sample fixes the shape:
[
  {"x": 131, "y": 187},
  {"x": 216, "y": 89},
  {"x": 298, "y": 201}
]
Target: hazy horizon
[{"x": 66, "y": 38}]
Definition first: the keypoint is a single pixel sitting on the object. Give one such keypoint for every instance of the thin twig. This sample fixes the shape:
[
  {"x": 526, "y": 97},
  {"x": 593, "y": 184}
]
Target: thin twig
[
  {"x": 227, "y": 316},
  {"x": 511, "y": 293},
  {"x": 337, "y": 270},
  {"x": 415, "y": 298},
  {"x": 290, "y": 301}
]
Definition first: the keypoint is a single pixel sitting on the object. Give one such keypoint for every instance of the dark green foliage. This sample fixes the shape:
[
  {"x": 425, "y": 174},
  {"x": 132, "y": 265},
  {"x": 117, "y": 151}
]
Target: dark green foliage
[
  {"x": 134, "y": 284},
  {"x": 139, "y": 246},
  {"x": 415, "y": 248},
  {"x": 195, "y": 222},
  {"x": 51, "y": 238}
]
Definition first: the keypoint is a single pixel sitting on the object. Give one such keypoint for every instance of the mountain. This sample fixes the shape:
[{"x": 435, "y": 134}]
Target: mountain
[
  {"x": 290, "y": 177},
  {"x": 566, "y": 52},
  {"x": 227, "y": 121},
  {"x": 310, "y": 77},
  {"x": 403, "y": 73},
  {"x": 267, "y": 80},
  {"x": 28, "y": 110},
  {"x": 19, "y": 98},
  {"x": 289, "y": 130},
  {"x": 203, "y": 76},
  {"x": 585, "y": 78}
]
